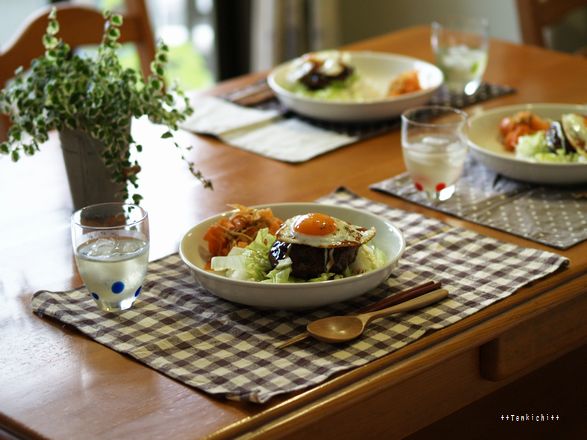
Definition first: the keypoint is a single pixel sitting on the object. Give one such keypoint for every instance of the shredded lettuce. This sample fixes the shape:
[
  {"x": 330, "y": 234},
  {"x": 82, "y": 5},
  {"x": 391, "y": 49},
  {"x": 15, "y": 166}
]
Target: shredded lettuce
[
  {"x": 281, "y": 273},
  {"x": 234, "y": 264},
  {"x": 534, "y": 147},
  {"x": 352, "y": 89},
  {"x": 252, "y": 263},
  {"x": 249, "y": 263},
  {"x": 530, "y": 145},
  {"x": 368, "y": 258}
]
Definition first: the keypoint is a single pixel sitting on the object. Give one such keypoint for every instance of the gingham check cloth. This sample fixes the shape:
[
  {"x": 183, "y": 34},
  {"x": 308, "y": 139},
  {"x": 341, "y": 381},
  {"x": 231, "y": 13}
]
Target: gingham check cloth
[{"x": 227, "y": 349}]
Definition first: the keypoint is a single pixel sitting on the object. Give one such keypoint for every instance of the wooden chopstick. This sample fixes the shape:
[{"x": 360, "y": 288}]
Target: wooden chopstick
[
  {"x": 255, "y": 98},
  {"x": 388, "y": 301},
  {"x": 404, "y": 295},
  {"x": 253, "y": 94}
]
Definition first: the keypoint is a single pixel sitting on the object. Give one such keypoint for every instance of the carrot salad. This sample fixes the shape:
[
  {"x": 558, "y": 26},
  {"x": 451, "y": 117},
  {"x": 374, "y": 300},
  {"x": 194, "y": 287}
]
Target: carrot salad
[
  {"x": 406, "y": 82},
  {"x": 520, "y": 124},
  {"x": 239, "y": 229}
]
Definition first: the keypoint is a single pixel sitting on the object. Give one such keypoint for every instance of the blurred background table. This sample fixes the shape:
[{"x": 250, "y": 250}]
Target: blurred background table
[{"x": 58, "y": 384}]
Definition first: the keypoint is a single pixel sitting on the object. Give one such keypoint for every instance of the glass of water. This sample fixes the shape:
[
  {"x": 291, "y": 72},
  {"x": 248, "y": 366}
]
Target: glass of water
[
  {"x": 460, "y": 45},
  {"x": 434, "y": 148},
  {"x": 111, "y": 247}
]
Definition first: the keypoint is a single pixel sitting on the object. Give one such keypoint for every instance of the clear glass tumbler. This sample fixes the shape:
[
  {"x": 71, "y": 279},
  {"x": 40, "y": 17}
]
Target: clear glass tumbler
[
  {"x": 434, "y": 148},
  {"x": 460, "y": 45},
  {"x": 111, "y": 247}
]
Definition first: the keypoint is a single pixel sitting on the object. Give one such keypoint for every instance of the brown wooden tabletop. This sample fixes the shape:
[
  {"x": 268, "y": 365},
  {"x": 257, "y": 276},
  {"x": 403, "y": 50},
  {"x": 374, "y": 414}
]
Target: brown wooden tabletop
[{"x": 55, "y": 383}]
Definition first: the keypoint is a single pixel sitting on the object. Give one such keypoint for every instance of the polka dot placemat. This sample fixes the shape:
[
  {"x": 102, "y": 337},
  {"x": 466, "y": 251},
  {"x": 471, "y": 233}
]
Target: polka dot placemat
[
  {"x": 229, "y": 350},
  {"x": 555, "y": 216}
]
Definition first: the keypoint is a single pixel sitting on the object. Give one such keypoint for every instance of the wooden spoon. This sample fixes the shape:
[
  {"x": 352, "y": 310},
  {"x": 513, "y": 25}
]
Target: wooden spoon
[{"x": 346, "y": 328}]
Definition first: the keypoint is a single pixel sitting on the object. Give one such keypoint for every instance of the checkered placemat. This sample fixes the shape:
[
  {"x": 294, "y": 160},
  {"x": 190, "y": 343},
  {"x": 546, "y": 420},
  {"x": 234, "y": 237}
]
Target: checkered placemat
[
  {"x": 555, "y": 216},
  {"x": 228, "y": 350}
]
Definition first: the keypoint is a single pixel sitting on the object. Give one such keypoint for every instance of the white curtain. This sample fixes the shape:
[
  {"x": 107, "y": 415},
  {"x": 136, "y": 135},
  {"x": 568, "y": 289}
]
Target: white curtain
[{"x": 285, "y": 29}]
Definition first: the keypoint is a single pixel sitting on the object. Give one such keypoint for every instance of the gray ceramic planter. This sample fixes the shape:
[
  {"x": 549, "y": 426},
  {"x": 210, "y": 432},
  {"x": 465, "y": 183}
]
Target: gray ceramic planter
[{"x": 89, "y": 179}]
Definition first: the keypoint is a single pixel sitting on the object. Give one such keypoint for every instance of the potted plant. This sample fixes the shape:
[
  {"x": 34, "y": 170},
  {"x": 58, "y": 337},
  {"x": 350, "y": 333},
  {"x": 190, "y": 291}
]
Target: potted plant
[{"x": 91, "y": 102}]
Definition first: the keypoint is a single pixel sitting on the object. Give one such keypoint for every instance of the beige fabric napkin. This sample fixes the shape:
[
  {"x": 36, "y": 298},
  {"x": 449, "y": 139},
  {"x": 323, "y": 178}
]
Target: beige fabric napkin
[
  {"x": 216, "y": 116},
  {"x": 262, "y": 132}
]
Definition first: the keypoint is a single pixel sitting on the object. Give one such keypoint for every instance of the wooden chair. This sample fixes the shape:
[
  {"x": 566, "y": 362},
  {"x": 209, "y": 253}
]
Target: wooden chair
[
  {"x": 535, "y": 15},
  {"x": 79, "y": 26}
]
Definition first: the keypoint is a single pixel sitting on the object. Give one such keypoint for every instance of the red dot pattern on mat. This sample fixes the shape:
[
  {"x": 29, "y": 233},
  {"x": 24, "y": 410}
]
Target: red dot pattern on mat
[
  {"x": 418, "y": 186},
  {"x": 440, "y": 186}
]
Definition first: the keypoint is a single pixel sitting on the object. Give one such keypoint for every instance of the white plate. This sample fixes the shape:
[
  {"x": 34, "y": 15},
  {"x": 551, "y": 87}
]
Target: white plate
[
  {"x": 376, "y": 67},
  {"x": 193, "y": 251},
  {"x": 485, "y": 145}
]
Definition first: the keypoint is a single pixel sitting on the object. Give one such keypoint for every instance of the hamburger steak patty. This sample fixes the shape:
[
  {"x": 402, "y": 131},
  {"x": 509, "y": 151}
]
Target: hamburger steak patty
[{"x": 309, "y": 262}]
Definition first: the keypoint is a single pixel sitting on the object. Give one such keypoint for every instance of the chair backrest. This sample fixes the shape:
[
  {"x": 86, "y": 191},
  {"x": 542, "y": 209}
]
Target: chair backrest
[
  {"x": 78, "y": 26},
  {"x": 535, "y": 15}
]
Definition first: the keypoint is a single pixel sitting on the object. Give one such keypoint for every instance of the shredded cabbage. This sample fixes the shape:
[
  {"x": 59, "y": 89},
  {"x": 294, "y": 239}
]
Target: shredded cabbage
[
  {"x": 368, "y": 258},
  {"x": 352, "y": 89},
  {"x": 249, "y": 263},
  {"x": 534, "y": 147},
  {"x": 252, "y": 263}
]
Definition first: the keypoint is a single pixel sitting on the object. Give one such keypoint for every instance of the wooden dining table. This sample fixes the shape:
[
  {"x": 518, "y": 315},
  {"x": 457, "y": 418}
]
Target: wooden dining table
[{"x": 56, "y": 383}]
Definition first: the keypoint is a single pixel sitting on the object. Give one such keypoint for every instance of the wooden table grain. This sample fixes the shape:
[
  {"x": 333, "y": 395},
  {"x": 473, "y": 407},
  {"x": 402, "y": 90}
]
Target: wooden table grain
[{"x": 57, "y": 384}]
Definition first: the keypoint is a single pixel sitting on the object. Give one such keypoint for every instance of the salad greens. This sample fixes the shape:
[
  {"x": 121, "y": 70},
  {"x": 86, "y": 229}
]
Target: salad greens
[
  {"x": 352, "y": 89},
  {"x": 535, "y": 147},
  {"x": 251, "y": 263},
  {"x": 345, "y": 90}
]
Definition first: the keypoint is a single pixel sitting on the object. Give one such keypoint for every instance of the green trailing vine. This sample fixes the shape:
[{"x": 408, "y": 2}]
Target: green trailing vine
[{"x": 95, "y": 95}]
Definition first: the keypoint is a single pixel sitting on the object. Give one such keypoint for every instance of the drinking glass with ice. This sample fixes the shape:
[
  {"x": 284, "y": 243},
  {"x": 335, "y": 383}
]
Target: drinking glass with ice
[
  {"x": 111, "y": 247},
  {"x": 434, "y": 149},
  {"x": 460, "y": 45}
]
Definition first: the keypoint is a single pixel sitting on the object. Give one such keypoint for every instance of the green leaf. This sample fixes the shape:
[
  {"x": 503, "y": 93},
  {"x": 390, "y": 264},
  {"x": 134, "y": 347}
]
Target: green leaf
[
  {"x": 155, "y": 84},
  {"x": 52, "y": 27},
  {"x": 116, "y": 20},
  {"x": 154, "y": 66},
  {"x": 113, "y": 34},
  {"x": 167, "y": 135},
  {"x": 50, "y": 42}
]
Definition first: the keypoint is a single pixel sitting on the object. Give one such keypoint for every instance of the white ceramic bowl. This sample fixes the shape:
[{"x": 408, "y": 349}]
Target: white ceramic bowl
[
  {"x": 379, "y": 68},
  {"x": 193, "y": 251},
  {"x": 485, "y": 145}
]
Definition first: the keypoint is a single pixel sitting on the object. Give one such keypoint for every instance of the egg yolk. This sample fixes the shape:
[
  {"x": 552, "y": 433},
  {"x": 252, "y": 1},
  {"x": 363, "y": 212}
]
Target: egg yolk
[{"x": 315, "y": 224}]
